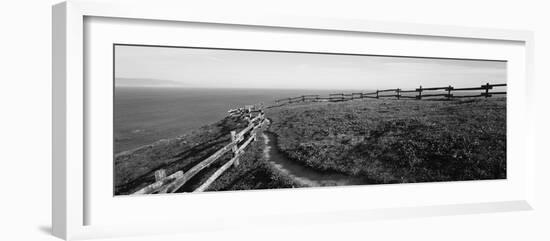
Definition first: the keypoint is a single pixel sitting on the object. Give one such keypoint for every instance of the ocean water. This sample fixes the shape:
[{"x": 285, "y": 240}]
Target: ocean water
[{"x": 143, "y": 115}]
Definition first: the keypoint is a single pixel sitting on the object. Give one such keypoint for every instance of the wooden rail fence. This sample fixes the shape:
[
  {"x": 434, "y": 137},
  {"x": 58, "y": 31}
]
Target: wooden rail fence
[
  {"x": 400, "y": 94},
  {"x": 239, "y": 141},
  {"x": 246, "y": 110}
]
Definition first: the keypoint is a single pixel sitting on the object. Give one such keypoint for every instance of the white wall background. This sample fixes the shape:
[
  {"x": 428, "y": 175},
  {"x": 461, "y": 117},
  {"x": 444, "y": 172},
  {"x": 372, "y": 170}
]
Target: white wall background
[{"x": 25, "y": 123}]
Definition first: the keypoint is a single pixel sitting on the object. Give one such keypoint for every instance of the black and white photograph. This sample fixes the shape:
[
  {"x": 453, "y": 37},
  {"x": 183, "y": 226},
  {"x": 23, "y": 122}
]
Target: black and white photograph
[{"x": 191, "y": 119}]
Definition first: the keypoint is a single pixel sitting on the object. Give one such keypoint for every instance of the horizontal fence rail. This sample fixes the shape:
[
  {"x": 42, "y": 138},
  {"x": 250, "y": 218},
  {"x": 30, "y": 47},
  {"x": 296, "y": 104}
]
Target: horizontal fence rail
[
  {"x": 159, "y": 183},
  {"x": 421, "y": 93},
  {"x": 248, "y": 109}
]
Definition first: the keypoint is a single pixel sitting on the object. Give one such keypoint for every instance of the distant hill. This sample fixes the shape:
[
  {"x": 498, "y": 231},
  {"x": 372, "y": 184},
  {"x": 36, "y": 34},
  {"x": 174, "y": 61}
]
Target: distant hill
[{"x": 146, "y": 82}]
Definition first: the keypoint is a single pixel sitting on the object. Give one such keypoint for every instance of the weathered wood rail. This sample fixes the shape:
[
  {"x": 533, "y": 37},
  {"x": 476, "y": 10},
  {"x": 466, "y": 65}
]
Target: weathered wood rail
[
  {"x": 160, "y": 181},
  {"x": 239, "y": 141},
  {"x": 238, "y": 112},
  {"x": 400, "y": 94}
]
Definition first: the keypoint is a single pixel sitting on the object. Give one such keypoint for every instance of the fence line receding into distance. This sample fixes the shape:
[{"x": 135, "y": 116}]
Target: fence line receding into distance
[{"x": 400, "y": 94}]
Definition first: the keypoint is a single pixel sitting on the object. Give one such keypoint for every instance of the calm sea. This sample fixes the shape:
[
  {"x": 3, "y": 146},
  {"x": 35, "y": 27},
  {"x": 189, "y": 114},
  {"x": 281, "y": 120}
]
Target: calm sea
[{"x": 145, "y": 115}]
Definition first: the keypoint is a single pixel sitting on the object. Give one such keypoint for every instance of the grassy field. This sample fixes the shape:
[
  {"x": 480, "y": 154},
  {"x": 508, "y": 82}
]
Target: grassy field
[
  {"x": 135, "y": 169},
  {"x": 382, "y": 141},
  {"x": 390, "y": 141}
]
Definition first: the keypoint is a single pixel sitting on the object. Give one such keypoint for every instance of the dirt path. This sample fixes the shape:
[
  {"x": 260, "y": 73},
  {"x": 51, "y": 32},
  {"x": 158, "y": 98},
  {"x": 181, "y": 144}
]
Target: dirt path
[{"x": 302, "y": 174}]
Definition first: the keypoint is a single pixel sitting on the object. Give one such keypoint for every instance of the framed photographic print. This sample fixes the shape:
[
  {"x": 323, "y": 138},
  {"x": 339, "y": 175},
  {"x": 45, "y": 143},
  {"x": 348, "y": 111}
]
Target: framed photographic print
[{"x": 175, "y": 120}]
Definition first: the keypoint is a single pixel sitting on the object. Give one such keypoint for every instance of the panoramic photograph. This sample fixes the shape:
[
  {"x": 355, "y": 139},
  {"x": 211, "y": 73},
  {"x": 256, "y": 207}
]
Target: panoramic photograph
[{"x": 190, "y": 119}]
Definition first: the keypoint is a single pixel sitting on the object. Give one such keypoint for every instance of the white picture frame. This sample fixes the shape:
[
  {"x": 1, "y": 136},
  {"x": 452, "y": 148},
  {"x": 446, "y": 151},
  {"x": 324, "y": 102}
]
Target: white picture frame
[{"x": 71, "y": 191}]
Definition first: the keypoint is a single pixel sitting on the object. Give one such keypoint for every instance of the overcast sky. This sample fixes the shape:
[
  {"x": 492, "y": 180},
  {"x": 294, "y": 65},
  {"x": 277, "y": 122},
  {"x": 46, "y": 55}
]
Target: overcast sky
[{"x": 160, "y": 66}]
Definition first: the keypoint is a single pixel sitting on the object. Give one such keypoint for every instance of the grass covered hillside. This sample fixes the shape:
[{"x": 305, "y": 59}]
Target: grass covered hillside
[
  {"x": 394, "y": 141},
  {"x": 135, "y": 169}
]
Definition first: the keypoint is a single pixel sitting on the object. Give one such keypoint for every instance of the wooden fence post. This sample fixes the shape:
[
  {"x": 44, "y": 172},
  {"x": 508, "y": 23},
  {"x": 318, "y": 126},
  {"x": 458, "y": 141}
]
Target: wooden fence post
[
  {"x": 303, "y": 98},
  {"x": 253, "y": 134},
  {"x": 487, "y": 90},
  {"x": 449, "y": 92},
  {"x": 235, "y": 148},
  {"x": 420, "y": 93},
  {"x": 260, "y": 124},
  {"x": 160, "y": 174},
  {"x": 376, "y": 94},
  {"x": 398, "y": 90}
]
